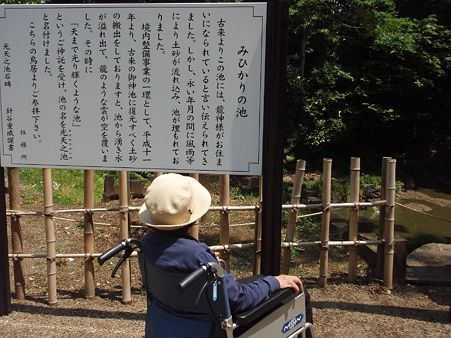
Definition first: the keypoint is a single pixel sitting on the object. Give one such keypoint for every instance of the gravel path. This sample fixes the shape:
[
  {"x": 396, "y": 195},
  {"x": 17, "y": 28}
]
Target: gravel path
[
  {"x": 368, "y": 311},
  {"x": 341, "y": 310}
]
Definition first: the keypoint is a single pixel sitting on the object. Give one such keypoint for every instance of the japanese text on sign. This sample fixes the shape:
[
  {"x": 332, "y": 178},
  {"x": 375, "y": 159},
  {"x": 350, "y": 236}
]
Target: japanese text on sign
[{"x": 148, "y": 87}]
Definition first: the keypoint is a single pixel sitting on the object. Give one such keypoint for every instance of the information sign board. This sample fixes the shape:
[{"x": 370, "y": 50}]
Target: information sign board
[{"x": 160, "y": 87}]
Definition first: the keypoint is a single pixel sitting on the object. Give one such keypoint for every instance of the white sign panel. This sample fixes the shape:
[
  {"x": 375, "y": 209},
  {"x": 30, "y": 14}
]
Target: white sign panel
[{"x": 163, "y": 87}]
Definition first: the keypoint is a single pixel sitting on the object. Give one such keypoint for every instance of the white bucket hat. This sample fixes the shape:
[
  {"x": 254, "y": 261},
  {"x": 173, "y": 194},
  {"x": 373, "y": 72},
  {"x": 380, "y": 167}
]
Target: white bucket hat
[{"x": 173, "y": 201}]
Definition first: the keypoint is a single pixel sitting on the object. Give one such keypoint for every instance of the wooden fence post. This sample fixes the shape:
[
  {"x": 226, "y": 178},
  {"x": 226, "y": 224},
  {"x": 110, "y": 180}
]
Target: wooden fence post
[
  {"x": 16, "y": 233},
  {"x": 5, "y": 292},
  {"x": 354, "y": 197},
  {"x": 88, "y": 232},
  {"x": 380, "y": 248},
  {"x": 124, "y": 234},
  {"x": 50, "y": 235},
  {"x": 291, "y": 226},
  {"x": 389, "y": 231},
  {"x": 224, "y": 222},
  {"x": 194, "y": 230},
  {"x": 258, "y": 229},
  {"x": 325, "y": 221}
]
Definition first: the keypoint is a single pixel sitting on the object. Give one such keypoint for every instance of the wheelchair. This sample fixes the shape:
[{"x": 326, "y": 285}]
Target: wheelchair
[{"x": 195, "y": 304}]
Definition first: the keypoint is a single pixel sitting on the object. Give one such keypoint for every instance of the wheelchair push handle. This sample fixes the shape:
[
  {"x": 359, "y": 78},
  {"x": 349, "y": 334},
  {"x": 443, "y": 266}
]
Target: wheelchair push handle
[
  {"x": 128, "y": 244},
  {"x": 213, "y": 270},
  {"x": 191, "y": 278},
  {"x": 113, "y": 251}
]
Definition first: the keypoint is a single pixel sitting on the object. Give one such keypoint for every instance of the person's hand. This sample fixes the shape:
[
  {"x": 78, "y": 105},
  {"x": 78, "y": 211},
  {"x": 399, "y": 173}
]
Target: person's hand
[{"x": 292, "y": 282}]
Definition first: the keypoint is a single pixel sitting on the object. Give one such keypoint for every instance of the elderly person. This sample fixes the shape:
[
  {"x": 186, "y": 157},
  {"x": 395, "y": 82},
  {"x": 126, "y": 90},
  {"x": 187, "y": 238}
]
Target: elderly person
[{"x": 172, "y": 204}]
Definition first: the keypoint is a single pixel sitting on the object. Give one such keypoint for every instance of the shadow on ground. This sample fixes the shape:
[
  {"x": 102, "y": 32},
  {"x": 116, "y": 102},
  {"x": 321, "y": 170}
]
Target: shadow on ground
[
  {"x": 434, "y": 316},
  {"x": 77, "y": 312}
]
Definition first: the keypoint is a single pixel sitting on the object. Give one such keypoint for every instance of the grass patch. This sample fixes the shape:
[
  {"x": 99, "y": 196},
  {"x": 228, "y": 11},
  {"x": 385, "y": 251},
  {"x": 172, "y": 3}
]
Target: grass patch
[{"x": 68, "y": 185}]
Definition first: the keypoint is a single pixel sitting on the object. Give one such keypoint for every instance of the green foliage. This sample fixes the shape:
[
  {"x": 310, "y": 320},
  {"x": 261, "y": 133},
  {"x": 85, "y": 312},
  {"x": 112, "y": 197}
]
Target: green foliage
[
  {"x": 368, "y": 179},
  {"x": 340, "y": 189},
  {"x": 309, "y": 228},
  {"x": 313, "y": 185},
  {"x": 68, "y": 185},
  {"x": 59, "y": 248},
  {"x": 367, "y": 78},
  {"x": 341, "y": 186},
  {"x": 140, "y": 176},
  {"x": 237, "y": 193}
]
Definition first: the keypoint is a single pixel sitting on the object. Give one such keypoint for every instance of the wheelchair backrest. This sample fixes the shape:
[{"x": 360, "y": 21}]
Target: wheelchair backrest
[{"x": 162, "y": 287}]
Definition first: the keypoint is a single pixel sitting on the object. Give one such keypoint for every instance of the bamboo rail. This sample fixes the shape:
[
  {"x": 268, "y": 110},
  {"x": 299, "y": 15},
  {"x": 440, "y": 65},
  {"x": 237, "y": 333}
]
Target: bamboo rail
[
  {"x": 353, "y": 216},
  {"x": 325, "y": 221},
  {"x": 212, "y": 208},
  {"x": 16, "y": 232},
  {"x": 217, "y": 248},
  {"x": 291, "y": 225},
  {"x": 333, "y": 243}
]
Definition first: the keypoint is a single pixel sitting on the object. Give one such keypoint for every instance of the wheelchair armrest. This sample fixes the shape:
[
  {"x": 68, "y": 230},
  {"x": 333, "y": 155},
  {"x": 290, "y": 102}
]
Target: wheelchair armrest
[{"x": 277, "y": 299}]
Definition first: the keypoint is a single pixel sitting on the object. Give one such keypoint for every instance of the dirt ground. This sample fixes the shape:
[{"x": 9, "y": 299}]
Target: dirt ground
[
  {"x": 362, "y": 309},
  {"x": 340, "y": 310}
]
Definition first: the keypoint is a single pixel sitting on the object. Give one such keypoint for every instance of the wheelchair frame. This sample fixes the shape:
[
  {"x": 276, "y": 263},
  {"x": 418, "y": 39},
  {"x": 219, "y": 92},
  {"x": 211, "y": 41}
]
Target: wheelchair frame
[{"x": 282, "y": 315}]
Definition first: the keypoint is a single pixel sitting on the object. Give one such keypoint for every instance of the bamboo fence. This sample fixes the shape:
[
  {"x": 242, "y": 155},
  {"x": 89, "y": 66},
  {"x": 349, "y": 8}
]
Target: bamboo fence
[
  {"x": 224, "y": 221},
  {"x": 389, "y": 226},
  {"x": 194, "y": 231},
  {"x": 50, "y": 235},
  {"x": 325, "y": 221},
  {"x": 124, "y": 234},
  {"x": 16, "y": 233},
  {"x": 354, "y": 217},
  {"x": 88, "y": 232},
  {"x": 292, "y": 219},
  {"x": 385, "y": 241},
  {"x": 380, "y": 248}
]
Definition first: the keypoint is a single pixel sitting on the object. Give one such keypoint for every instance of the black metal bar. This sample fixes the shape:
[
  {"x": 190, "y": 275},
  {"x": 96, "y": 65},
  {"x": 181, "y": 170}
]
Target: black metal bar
[
  {"x": 273, "y": 134},
  {"x": 5, "y": 293}
]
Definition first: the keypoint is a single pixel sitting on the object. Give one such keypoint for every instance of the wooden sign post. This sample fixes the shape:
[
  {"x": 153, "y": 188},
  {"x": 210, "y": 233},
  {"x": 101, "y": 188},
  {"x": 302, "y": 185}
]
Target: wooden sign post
[
  {"x": 275, "y": 107},
  {"x": 5, "y": 293}
]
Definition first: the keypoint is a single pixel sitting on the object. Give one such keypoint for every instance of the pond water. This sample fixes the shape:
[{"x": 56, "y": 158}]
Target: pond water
[{"x": 417, "y": 227}]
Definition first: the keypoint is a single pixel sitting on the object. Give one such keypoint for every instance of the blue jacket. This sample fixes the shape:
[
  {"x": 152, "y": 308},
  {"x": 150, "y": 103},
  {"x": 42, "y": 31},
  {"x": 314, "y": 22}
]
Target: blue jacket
[{"x": 171, "y": 252}]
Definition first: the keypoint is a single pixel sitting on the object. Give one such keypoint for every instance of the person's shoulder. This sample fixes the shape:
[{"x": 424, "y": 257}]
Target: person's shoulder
[
  {"x": 200, "y": 248},
  {"x": 191, "y": 242}
]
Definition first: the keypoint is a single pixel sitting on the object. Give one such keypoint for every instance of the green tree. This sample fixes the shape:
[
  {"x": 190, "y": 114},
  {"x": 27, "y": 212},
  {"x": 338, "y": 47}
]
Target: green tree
[{"x": 366, "y": 80}]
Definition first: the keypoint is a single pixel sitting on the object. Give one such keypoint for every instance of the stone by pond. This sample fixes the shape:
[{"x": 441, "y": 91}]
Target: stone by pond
[
  {"x": 430, "y": 264},
  {"x": 431, "y": 254}
]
